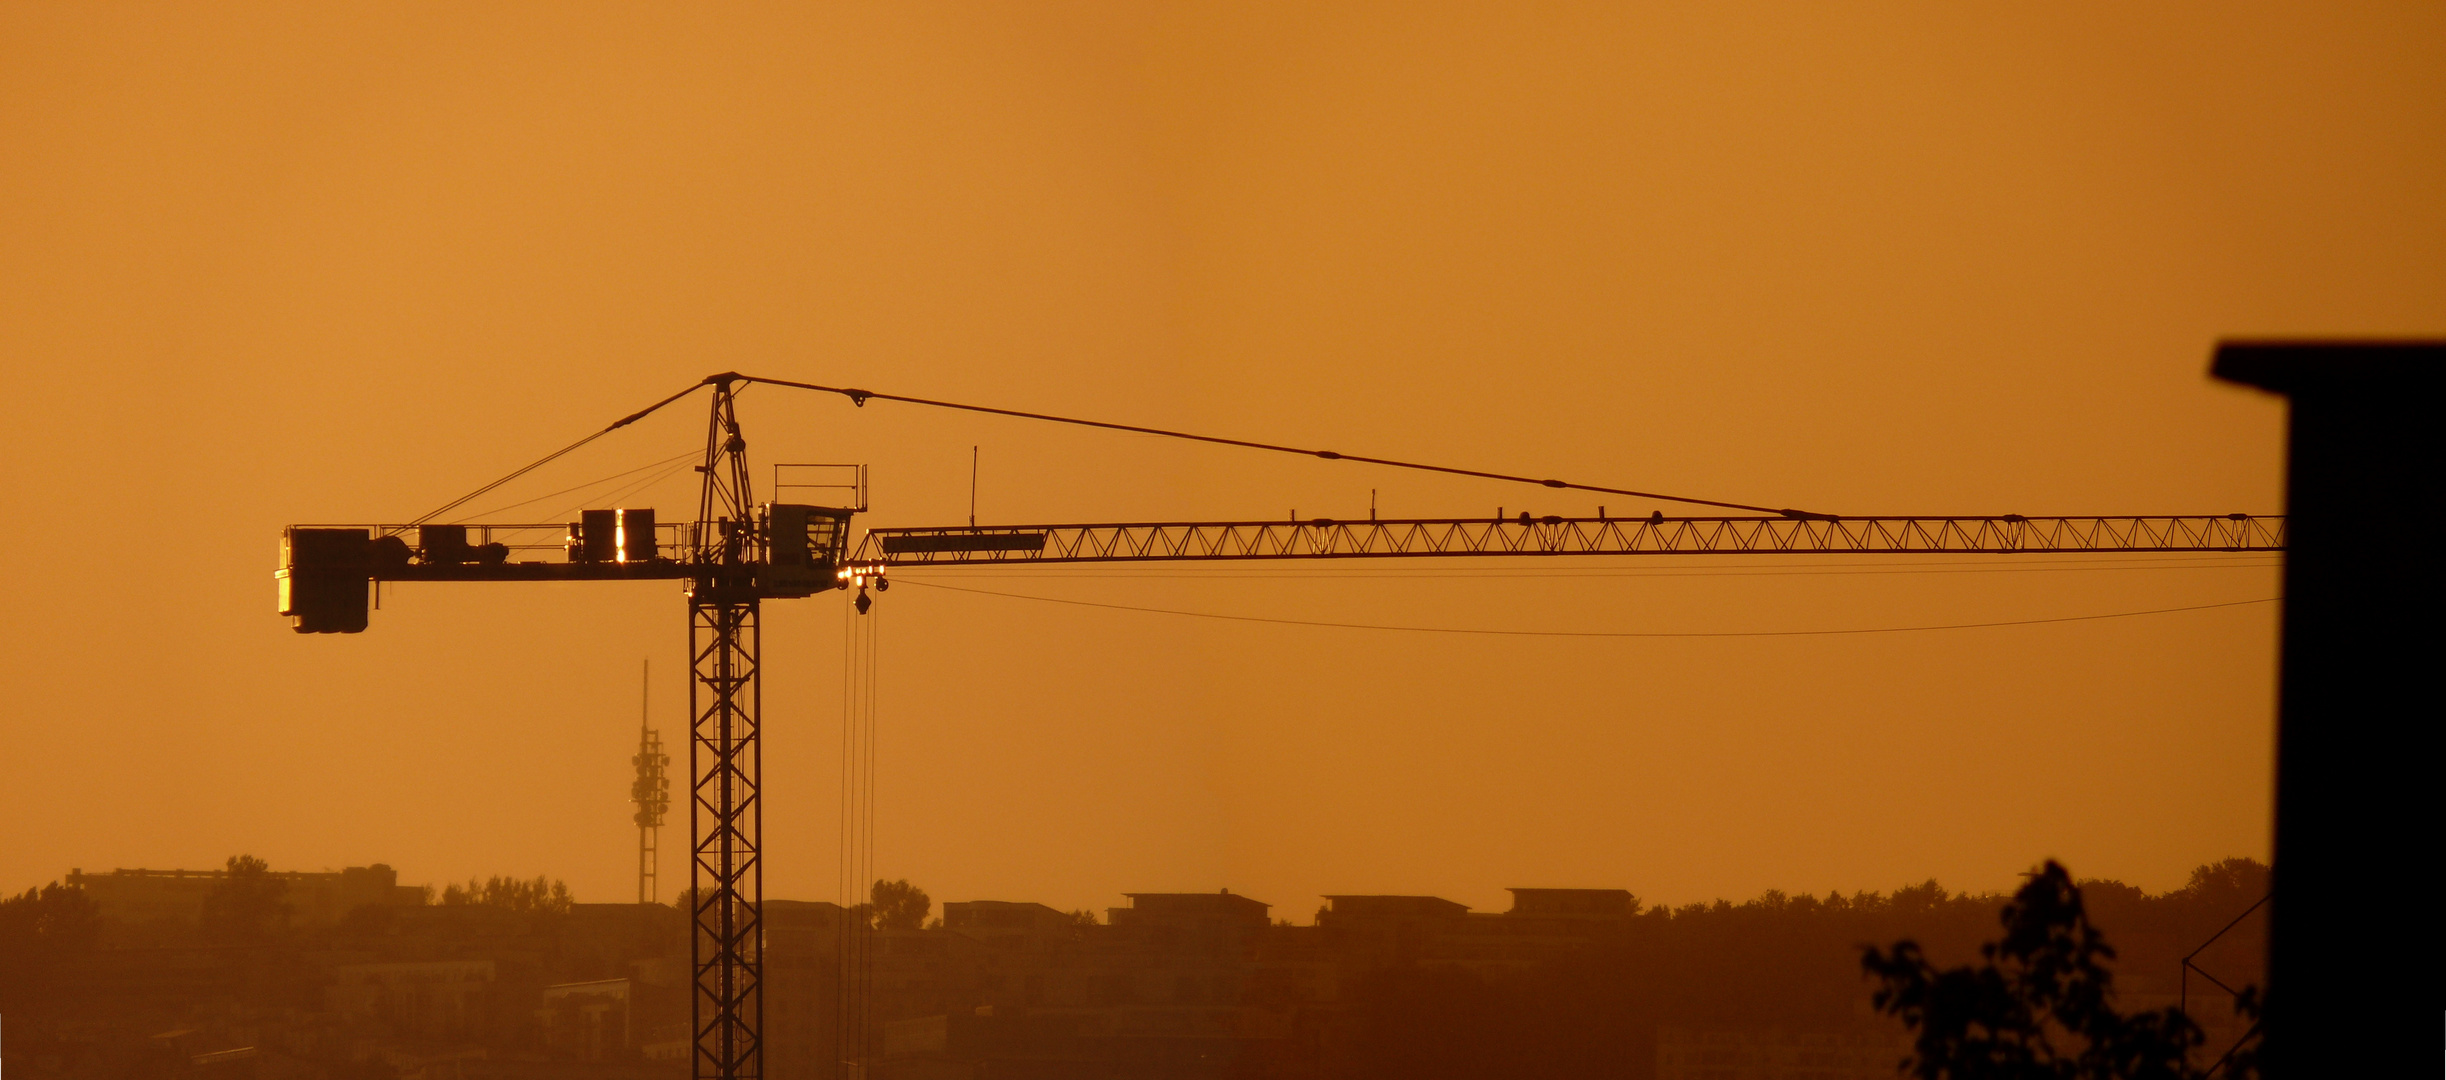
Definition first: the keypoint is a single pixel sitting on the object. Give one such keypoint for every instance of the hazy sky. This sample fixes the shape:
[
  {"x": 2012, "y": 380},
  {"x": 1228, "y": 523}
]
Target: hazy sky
[{"x": 343, "y": 262}]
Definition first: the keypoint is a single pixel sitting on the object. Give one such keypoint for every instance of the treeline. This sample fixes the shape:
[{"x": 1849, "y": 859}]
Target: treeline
[
  {"x": 541, "y": 894},
  {"x": 1774, "y": 962},
  {"x": 250, "y": 905},
  {"x": 254, "y": 962}
]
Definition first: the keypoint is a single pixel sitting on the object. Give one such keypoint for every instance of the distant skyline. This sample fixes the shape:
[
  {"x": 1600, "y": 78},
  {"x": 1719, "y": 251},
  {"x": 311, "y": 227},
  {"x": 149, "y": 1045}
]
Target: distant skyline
[
  {"x": 325, "y": 910},
  {"x": 264, "y": 265}
]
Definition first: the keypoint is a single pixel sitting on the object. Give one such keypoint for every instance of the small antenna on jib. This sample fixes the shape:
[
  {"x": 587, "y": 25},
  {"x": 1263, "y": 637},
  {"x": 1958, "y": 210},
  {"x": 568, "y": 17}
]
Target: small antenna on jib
[{"x": 972, "y": 487}]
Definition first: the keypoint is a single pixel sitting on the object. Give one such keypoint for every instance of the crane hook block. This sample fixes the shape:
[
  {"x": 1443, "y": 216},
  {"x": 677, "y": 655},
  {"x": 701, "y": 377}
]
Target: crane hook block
[{"x": 806, "y": 545}]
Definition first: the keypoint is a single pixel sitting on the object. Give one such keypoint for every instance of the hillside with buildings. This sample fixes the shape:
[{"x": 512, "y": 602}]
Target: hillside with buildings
[{"x": 245, "y": 973}]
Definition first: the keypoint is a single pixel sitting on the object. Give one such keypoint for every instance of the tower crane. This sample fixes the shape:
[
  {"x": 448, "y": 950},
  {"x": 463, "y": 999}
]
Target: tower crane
[{"x": 739, "y": 552}]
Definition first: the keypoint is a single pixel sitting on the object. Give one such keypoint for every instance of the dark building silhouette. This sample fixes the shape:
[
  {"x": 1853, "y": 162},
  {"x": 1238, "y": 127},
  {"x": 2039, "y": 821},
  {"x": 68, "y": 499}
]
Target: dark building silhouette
[
  {"x": 145, "y": 897},
  {"x": 2365, "y": 464}
]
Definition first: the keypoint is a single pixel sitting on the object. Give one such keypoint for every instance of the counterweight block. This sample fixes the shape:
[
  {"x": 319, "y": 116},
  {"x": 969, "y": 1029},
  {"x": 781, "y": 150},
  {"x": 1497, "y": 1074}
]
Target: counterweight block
[{"x": 326, "y": 579}]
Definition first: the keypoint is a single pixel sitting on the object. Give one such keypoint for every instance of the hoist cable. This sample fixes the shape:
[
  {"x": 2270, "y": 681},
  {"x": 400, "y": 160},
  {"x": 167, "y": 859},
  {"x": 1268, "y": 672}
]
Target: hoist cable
[
  {"x": 861, "y": 397},
  {"x": 857, "y": 932},
  {"x": 844, "y": 870}
]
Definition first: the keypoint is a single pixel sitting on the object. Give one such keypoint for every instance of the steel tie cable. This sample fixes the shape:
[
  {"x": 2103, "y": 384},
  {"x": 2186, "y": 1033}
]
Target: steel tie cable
[
  {"x": 549, "y": 458},
  {"x": 861, "y": 397}
]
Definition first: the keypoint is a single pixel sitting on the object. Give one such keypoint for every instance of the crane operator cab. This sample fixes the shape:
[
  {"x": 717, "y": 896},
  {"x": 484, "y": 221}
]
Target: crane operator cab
[{"x": 805, "y": 546}]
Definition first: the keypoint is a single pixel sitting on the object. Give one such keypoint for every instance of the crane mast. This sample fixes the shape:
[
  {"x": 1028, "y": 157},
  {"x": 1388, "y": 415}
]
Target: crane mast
[
  {"x": 734, "y": 556},
  {"x": 725, "y": 761},
  {"x": 738, "y": 552}
]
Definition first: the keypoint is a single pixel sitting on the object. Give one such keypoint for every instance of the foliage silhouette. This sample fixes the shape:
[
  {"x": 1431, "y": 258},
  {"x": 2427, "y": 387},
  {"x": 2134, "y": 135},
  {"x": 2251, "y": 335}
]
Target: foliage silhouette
[
  {"x": 542, "y": 895},
  {"x": 2040, "y": 1005},
  {"x": 899, "y": 905},
  {"x": 55, "y": 918},
  {"x": 43, "y": 933},
  {"x": 247, "y": 906}
]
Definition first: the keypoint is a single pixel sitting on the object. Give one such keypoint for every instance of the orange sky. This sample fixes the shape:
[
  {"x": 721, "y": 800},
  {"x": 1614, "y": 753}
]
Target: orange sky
[{"x": 344, "y": 262}]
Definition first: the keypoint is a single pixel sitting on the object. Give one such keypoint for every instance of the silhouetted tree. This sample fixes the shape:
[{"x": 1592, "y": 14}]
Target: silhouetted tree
[
  {"x": 246, "y": 906},
  {"x": 2040, "y": 1005},
  {"x": 2228, "y": 884},
  {"x": 55, "y": 918},
  {"x": 43, "y": 933},
  {"x": 899, "y": 905},
  {"x": 541, "y": 895},
  {"x": 2243, "y": 1061}
]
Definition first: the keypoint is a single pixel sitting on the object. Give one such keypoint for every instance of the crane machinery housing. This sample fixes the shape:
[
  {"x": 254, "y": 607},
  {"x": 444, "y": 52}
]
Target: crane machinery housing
[{"x": 738, "y": 552}]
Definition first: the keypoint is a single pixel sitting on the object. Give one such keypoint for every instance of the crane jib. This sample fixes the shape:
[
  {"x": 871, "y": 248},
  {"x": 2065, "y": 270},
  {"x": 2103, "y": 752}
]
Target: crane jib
[
  {"x": 896, "y": 544},
  {"x": 788, "y": 550},
  {"x": 1318, "y": 538}
]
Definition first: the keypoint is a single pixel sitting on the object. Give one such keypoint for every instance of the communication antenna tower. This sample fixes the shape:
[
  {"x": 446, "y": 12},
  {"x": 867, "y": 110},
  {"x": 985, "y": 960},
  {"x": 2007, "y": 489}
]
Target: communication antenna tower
[{"x": 651, "y": 791}]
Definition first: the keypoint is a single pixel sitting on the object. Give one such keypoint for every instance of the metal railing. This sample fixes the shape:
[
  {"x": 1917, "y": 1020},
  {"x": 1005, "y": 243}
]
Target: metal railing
[{"x": 524, "y": 542}]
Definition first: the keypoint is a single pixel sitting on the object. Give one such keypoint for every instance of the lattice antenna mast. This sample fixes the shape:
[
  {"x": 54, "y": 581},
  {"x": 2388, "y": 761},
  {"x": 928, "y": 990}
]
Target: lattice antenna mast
[{"x": 651, "y": 792}]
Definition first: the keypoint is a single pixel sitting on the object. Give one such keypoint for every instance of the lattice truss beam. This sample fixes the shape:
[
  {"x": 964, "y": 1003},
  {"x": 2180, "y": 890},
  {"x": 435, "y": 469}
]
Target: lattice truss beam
[
  {"x": 1525, "y": 535},
  {"x": 727, "y": 827}
]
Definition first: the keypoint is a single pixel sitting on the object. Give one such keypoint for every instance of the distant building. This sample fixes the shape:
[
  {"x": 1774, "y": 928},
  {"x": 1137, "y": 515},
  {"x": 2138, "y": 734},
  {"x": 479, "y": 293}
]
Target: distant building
[
  {"x": 993, "y": 921},
  {"x": 802, "y": 1019},
  {"x": 1346, "y": 909},
  {"x": 586, "y": 1020},
  {"x": 1388, "y": 930},
  {"x": 1572, "y": 903},
  {"x": 1543, "y": 924},
  {"x": 431, "y": 999},
  {"x": 1215, "y": 909},
  {"x": 1169, "y": 985},
  {"x": 140, "y": 897}
]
